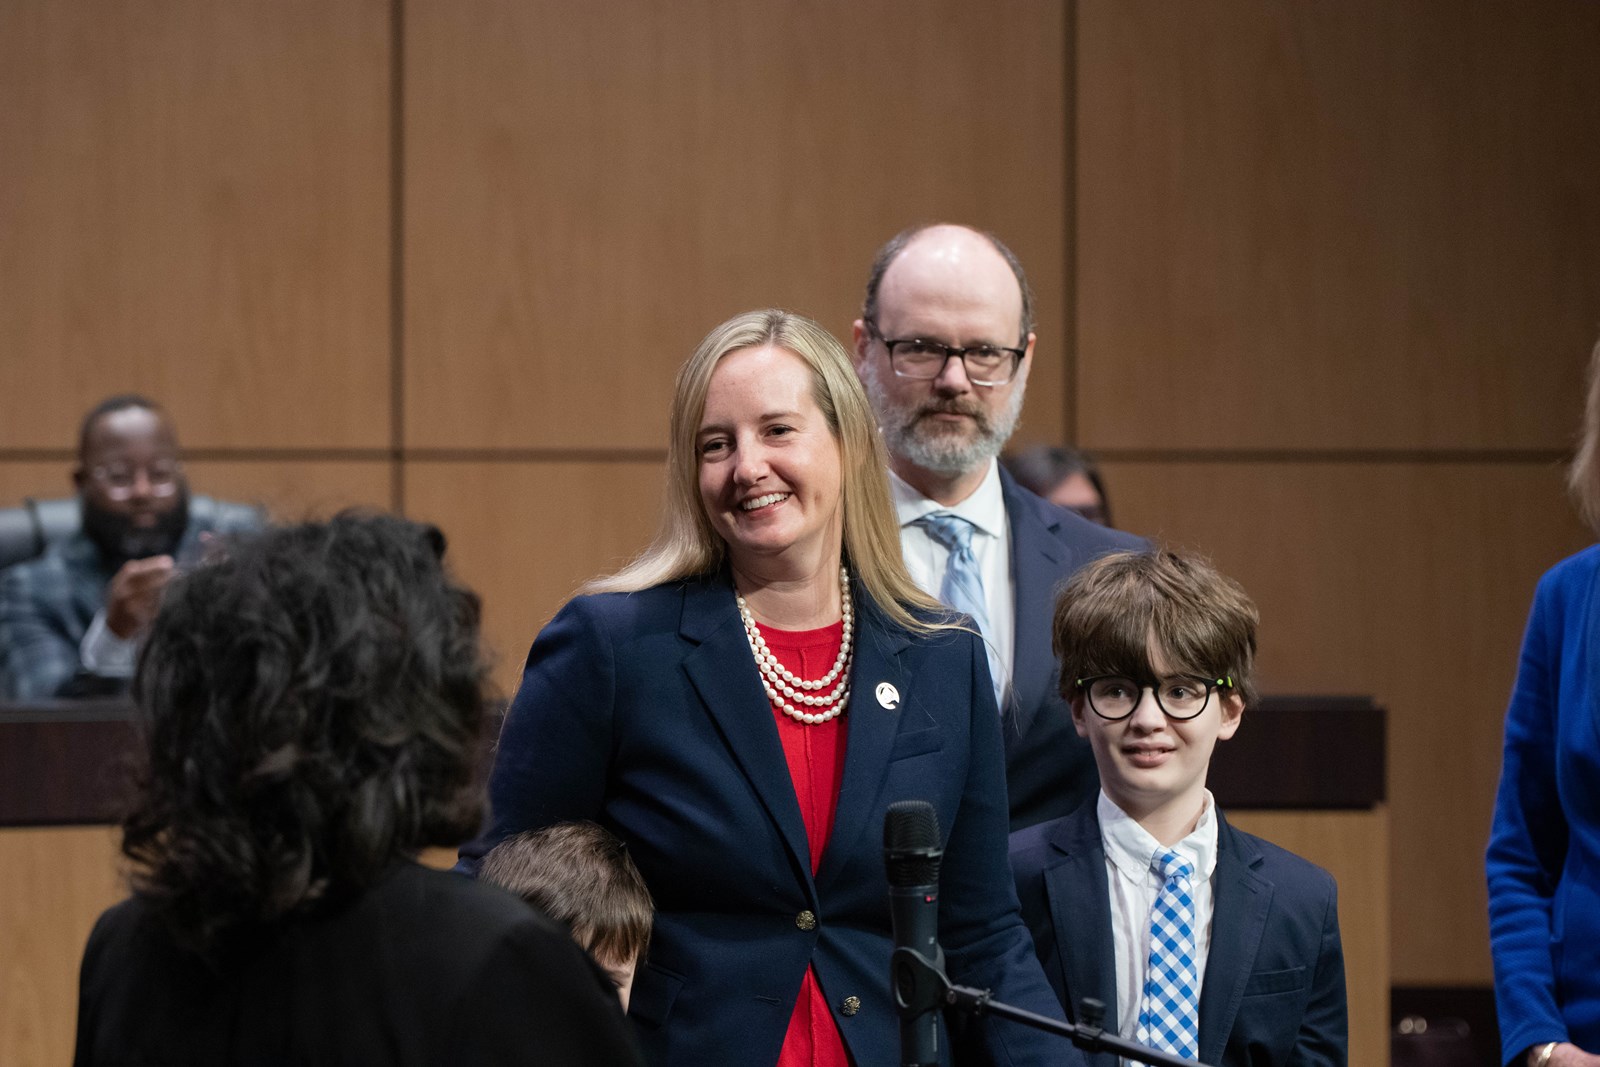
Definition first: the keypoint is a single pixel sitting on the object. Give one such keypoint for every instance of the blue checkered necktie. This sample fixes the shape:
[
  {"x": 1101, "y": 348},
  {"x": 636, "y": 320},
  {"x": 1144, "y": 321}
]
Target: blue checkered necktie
[
  {"x": 1169, "y": 1014},
  {"x": 962, "y": 588}
]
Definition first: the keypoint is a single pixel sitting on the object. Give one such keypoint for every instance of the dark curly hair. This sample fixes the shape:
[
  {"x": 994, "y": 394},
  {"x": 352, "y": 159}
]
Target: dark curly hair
[{"x": 312, "y": 705}]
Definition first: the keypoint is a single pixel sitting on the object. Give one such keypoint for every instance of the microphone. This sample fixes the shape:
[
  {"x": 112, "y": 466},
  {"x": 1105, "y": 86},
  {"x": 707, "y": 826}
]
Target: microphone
[{"x": 912, "y": 853}]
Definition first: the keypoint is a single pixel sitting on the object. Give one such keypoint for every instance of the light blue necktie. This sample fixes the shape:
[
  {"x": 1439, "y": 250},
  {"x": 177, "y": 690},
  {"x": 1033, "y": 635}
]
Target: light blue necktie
[
  {"x": 1169, "y": 1014},
  {"x": 962, "y": 588}
]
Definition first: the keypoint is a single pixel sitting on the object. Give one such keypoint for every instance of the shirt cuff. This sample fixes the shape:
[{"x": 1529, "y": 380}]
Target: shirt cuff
[{"x": 106, "y": 654}]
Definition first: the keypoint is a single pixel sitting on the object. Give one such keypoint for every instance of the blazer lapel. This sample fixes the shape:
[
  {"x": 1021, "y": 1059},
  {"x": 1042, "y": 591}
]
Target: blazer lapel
[
  {"x": 1240, "y": 901},
  {"x": 871, "y": 730},
  {"x": 1592, "y": 643},
  {"x": 724, "y": 674},
  {"x": 1080, "y": 910},
  {"x": 1036, "y": 558}
]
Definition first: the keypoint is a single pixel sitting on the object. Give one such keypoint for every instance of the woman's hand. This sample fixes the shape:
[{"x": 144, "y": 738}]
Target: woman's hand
[{"x": 1566, "y": 1054}]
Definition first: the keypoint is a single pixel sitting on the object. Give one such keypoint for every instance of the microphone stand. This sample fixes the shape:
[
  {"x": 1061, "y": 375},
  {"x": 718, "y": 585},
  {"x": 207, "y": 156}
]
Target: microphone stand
[{"x": 921, "y": 985}]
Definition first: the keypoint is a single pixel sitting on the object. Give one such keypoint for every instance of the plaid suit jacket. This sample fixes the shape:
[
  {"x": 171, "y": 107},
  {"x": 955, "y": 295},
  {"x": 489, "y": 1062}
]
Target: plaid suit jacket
[{"x": 47, "y": 604}]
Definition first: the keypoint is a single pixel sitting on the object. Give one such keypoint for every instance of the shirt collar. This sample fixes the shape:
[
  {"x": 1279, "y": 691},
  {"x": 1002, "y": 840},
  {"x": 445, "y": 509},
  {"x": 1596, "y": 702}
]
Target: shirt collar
[
  {"x": 1130, "y": 847},
  {"x": 985, "y": 508}
]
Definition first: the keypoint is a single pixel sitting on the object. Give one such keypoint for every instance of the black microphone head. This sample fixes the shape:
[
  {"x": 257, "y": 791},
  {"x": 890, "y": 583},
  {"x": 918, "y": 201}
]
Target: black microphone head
[{"x": 911, "y": 848}]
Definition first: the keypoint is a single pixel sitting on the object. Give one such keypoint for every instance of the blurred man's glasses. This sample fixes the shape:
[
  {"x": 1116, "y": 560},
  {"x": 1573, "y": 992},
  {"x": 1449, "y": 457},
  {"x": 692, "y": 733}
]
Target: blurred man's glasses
[
  {"x": 120, "y": 481},
  {"x": 912, "y": 357},
  {"x": 1113, "y": 696}
]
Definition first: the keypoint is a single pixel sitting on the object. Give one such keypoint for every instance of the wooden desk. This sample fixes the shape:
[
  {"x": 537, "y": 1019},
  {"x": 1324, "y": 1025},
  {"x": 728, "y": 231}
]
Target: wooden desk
[
  {"x": 1309, "y": 773},
  {"x": 1306, "y": 773}
]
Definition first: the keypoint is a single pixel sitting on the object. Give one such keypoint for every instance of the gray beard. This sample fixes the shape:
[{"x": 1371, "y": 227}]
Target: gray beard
[{"x": 912, "y": 438}]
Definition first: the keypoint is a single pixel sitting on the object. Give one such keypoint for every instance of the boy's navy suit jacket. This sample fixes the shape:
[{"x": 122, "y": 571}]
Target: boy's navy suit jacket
[{"x": 1273, "y": 991}]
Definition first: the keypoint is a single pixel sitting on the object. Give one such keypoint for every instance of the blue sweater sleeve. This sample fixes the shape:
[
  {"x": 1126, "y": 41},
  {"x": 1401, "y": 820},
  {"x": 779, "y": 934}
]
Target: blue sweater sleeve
[{"x": 1528, "y": 840}]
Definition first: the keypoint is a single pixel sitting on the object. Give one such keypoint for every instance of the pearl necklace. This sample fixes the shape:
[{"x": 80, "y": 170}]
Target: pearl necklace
[{"x": 780, "y": 683}]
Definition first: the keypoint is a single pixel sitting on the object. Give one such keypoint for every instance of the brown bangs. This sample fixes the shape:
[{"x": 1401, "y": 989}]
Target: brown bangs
[{"x": 1114, "y": 613}]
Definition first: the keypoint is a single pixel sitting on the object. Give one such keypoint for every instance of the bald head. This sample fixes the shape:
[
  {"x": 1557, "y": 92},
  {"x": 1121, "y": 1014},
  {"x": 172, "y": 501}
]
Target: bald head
[{"x": 951, "y": 256}]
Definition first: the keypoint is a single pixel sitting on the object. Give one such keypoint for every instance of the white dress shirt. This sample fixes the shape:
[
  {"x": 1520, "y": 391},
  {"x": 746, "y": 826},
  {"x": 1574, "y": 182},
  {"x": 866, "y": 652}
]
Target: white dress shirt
[
  {"x": 104, "y": 653},
  {"x": 927, "y": 559},
  {"x": 1134, "y": 887}
]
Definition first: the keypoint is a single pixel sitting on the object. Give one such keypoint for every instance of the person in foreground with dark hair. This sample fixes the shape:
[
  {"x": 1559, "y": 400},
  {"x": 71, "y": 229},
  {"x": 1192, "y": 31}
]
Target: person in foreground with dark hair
[
  {"x": 578, "y": 874},
  {"x": 311, "y": 707},
  {"x": 1543, "y": 861},
  {"x": 1201, "y": 940}
]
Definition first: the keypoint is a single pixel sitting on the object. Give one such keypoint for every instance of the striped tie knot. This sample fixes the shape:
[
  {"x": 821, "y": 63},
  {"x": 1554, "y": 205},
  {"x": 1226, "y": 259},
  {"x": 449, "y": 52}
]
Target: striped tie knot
[{"x": 951, "y": 531}]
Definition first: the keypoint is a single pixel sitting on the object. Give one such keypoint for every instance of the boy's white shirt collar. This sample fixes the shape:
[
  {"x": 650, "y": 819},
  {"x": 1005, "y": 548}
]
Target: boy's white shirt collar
[{"x": 1131, "y": 847}]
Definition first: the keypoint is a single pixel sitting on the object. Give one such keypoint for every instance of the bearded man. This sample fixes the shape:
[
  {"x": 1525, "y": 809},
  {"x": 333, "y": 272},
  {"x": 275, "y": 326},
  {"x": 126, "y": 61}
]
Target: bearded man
[
  {"x": 943, "y": 346},
  {"x": 71, "y": 619}
]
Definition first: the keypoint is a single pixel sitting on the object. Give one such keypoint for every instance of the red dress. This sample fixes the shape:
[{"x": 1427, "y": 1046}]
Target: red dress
[{"x": 815, "y": 754}]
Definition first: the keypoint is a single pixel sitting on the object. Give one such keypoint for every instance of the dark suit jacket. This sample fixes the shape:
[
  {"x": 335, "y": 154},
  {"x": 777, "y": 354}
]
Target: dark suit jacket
[
  {"x": 645, "y": 712},
  {"x": 1049, "y": 768},
  {"x": 427, "y": 968},
  {"x": 1273, "y": 992}
]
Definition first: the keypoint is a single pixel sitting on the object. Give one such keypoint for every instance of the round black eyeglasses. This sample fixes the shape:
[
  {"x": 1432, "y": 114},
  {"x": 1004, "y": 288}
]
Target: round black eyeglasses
[{"x": 1114, "y": 697}]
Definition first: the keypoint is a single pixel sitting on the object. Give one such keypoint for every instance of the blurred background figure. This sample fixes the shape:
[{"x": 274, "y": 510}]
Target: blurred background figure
[
  {"x": 578, "y": 874},
  {"x": 1544, "y": 847},
  {"x": 1064, "y": 476},
  {"x": 71, "y": 619},
  {"x": 312, "y": 708}
]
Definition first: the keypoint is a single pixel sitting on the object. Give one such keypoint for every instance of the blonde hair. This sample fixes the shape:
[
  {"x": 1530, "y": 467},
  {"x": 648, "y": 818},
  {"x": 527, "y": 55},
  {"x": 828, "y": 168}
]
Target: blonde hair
[
  {"x": 1583, "y": 478},
  {"x": 687, "y": 546}
]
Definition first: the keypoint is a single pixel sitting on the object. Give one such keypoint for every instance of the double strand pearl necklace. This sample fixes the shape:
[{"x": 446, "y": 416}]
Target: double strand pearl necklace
[{"x": 783, "y": 686}]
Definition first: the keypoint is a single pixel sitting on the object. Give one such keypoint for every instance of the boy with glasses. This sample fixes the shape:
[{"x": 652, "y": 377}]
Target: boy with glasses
[{"x": 1200, "y": 939}]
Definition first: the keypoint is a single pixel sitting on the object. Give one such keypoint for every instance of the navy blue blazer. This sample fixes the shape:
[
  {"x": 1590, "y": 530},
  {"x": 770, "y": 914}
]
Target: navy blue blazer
[
  {"x": 1273, "y": 991},
  {"x": 645, "y": 713},
  {"x": 1050, "y": 770}
]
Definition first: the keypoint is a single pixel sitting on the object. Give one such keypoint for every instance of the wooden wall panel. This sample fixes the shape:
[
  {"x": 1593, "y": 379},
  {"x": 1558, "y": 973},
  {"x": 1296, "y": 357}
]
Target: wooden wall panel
[
  {"x": 54, "y": 883},
  {"x": 1354, "y": 848},
  {"x": 194, "y": 198},
  {"x": 1354, "y": 225},
  {"x": 289, "y": 489},
  {"x": 526, "y": 535},
  {"x": 294, "y": 490},
  {"x": 1410, "y": 582},
  {"x": 590, "y": 188}
]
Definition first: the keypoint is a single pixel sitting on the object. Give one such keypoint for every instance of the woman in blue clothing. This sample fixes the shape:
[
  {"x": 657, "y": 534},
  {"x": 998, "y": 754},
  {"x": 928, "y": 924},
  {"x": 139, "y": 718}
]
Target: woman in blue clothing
[
  {"x": 742, "y": 704},
  {"x": 1544, "y": 849}
]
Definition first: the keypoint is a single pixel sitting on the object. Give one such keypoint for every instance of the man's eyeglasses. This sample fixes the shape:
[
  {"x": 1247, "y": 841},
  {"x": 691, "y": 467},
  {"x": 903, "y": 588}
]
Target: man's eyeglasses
[
  {"x": 1113, "y": 696},
  {"x": 119, "y": 480},
  {"x": 913, "y": 357}
]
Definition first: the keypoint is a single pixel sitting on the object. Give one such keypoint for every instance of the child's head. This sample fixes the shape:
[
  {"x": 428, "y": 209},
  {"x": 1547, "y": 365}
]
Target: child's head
[
  {"x": 1157, "y": 656},
  {"x": 580, "y": 874}
]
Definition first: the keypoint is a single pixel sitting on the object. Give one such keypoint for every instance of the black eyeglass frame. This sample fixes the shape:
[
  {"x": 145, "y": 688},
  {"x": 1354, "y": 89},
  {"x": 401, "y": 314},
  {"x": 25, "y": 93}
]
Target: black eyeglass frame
[
  {"x": 1084, "y": 685},
  {"x": 1017, "y": 355}
]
